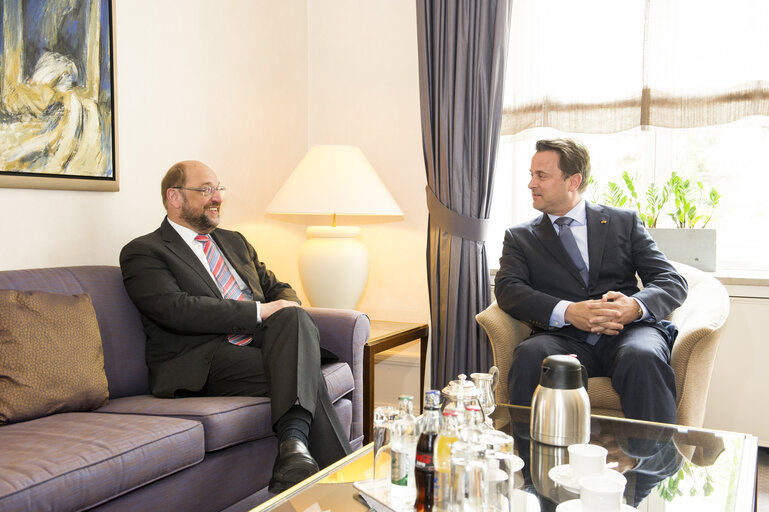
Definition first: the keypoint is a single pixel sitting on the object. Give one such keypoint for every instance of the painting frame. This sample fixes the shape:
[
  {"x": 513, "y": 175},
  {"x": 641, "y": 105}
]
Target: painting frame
[{"x": 96, "y": 138}]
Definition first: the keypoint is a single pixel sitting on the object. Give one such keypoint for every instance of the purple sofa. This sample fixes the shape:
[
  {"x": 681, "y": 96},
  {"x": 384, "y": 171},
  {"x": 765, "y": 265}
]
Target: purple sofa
[{"x": 139, "y": 452}]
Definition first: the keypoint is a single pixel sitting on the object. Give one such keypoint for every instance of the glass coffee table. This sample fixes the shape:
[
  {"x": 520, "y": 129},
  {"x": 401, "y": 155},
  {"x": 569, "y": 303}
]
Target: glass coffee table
[{"x": 668, "y": 468}]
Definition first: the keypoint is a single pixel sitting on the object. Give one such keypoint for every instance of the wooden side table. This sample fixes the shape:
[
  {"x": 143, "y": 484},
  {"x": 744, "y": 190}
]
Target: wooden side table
[{"x": 384, "y": 336}]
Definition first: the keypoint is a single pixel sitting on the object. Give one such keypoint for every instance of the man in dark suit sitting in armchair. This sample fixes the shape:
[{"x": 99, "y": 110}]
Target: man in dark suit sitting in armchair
[
  {"x": 219, "y": 323},
  {"x": 571, "y": 275}
]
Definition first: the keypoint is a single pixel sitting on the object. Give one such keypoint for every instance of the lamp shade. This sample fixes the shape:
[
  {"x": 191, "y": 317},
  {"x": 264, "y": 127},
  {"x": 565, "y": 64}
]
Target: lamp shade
[{"x": 334, "y": 179}]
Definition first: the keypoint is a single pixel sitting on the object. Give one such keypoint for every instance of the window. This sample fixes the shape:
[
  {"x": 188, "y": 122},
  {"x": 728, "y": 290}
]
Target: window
[
  {"x": 729, "y": 158},
  {"x": 651, "y": 87}
]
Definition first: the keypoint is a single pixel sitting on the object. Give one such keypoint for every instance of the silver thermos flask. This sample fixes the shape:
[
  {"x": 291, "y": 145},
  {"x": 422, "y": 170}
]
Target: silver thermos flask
[{"x": 560, "y": 408}]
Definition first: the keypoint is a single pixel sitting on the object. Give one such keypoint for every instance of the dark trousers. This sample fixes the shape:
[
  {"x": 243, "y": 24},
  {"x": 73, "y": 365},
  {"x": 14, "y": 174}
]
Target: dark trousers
[
  {"x": 283, "y": 363},
  {"x": 637, "y": 360}
]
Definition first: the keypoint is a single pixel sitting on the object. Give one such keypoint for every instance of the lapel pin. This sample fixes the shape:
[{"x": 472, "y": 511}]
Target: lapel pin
[{"x": 603, "y": 222}]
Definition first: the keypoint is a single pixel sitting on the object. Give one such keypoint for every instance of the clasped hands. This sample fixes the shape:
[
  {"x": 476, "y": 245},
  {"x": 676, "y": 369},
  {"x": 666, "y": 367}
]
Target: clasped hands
[{"x": 607, "y": 315}]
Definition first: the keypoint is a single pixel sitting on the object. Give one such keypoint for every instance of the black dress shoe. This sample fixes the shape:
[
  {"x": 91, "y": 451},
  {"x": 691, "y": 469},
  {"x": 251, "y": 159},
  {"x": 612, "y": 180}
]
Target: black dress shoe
[{"x": 293, "y": 464}]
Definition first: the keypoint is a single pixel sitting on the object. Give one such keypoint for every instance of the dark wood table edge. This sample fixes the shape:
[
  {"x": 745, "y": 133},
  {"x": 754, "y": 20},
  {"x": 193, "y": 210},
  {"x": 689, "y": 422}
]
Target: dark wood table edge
[{"x": 379, "y": 344}]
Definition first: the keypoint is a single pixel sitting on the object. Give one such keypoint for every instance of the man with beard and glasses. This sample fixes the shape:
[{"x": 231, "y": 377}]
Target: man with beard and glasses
[{"x": 219, "y": 323}]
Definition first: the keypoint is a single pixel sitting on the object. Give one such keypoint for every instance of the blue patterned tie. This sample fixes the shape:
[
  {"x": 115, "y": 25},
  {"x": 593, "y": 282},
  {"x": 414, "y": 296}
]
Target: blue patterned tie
[
  {"x": 570, "y": 244},
  {"x": 226, "y": 281}
]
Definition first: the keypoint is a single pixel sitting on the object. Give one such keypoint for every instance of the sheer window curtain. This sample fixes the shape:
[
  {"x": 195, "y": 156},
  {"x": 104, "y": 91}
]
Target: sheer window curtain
[
  {"x": 462, "y": 53},
  {"x": 603, "y": 66}
]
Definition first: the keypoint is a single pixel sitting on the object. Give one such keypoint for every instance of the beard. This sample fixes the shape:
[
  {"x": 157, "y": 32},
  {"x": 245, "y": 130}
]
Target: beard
[{"x": 198, "y": 219}]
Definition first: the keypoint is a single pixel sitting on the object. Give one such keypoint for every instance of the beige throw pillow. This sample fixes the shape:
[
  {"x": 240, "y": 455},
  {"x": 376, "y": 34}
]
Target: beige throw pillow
[{"x": 51, "y": 357}]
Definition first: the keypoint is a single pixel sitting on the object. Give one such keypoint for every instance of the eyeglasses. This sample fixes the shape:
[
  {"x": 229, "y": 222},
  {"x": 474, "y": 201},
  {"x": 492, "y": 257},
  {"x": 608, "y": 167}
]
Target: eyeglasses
[{"x": 206, "y": 191}]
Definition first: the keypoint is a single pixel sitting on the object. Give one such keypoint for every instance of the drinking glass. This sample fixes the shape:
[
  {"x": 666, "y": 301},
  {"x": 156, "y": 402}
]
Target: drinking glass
[
  {"x": 383, "y": 419},
  {"x": 500, "y": 480},
  {"x": 476, "y": 479},
  {"x": 487, "y": 384},
  {"x": 457, "y": 478},
  {"x": 468, "y": 478}
]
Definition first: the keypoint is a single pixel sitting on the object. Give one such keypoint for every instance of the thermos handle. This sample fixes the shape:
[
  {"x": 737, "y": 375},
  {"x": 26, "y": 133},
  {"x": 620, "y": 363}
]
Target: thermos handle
[{"x": 584, "y": 376}]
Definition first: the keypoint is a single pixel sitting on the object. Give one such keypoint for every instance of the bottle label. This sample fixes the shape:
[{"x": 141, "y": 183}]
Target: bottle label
[
  {"x": 424, "y": 461},
  {"x": 441, "y": 489},
  {"x": 399, "y": 473}
]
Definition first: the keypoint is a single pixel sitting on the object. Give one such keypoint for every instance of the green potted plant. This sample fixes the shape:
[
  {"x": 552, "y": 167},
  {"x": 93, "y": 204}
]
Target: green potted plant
[{"x": 689, "y": 241}]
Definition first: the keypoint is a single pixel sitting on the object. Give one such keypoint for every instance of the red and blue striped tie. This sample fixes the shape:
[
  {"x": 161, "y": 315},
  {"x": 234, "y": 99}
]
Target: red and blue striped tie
[{"x": 229, "y": 286}]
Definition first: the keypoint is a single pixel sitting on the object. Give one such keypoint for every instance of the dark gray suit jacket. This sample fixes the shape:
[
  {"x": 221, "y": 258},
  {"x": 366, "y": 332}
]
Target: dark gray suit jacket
[
  {"x": 182, "y": 309},
  {"x": 536, "y": 272}
]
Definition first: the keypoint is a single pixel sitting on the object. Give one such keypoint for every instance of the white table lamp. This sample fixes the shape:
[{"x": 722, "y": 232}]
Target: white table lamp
[{"x": 334, "y": 180}]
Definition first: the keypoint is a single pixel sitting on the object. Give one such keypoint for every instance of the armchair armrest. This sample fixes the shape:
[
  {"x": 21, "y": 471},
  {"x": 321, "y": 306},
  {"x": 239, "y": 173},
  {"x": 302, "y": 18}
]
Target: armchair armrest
[
  {"x": 700, "y": 321},
  {"x": 344, "y": 332},
  {"x": 505, "y": 333}
]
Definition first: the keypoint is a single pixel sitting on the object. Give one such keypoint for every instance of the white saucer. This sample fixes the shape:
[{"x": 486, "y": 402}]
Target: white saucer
[
  {"x": 517, "y": 464},
  {"x": 576, "y": 506},
  {"x": 563, "y": 477}
]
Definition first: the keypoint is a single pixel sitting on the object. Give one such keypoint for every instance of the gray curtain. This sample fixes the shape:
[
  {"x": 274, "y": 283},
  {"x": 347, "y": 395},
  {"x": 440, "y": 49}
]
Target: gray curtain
[{"x": 462, "y": 54}]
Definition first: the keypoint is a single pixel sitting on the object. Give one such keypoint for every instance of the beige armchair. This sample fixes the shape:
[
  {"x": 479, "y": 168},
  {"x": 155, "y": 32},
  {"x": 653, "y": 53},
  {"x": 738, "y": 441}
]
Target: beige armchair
[{"x": 700, "y": 321}]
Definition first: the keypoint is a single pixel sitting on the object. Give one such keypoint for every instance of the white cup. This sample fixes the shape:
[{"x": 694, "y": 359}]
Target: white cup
[
  {"x": 600, "y": 494},
  {"x": 587, "y": 460}
]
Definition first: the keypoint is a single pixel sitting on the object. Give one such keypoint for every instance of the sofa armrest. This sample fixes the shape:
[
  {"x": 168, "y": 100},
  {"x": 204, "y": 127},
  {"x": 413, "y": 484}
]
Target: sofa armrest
[{"x": 344, "y": 332}]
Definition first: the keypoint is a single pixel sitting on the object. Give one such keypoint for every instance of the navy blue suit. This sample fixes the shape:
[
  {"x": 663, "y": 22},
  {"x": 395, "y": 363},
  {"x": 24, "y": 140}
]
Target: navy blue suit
[{"x": 536, "y": 273}]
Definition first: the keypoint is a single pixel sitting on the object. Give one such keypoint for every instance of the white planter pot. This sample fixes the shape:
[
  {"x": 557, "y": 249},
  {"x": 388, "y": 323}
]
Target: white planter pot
[{"x": 695, "y": 247}]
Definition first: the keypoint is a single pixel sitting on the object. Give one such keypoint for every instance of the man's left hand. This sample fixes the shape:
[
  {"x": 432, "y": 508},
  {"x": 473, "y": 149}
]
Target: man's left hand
[{"x": 626, "y": 307}]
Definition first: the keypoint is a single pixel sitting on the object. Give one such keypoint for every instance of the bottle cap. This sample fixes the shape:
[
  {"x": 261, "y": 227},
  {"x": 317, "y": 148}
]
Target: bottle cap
[{"x": 433, "y": 399}]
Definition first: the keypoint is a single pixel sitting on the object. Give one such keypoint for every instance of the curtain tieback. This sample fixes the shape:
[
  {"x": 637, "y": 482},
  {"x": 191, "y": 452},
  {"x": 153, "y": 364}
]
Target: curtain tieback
[{"x": 469, "y": 228}]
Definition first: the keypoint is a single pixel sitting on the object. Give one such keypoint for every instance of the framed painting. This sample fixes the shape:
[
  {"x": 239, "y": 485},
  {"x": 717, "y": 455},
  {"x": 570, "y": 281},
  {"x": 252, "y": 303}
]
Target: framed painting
[{"x": 57, "y": 127}]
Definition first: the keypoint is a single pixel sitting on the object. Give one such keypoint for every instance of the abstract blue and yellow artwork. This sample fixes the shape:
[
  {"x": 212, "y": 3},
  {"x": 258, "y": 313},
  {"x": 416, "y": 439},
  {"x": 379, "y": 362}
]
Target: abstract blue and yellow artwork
[{"x": 56, "y": 95}]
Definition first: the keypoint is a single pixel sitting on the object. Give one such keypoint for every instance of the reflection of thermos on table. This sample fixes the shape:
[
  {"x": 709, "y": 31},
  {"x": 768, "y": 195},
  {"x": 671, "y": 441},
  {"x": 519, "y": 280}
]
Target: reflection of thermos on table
[{"x": 543, "y": 459}]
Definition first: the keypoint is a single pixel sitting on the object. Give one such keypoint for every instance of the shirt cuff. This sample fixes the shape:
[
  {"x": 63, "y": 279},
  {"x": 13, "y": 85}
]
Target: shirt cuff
[
  {"x": 258, "y": 312},
  {"x": 556, "y": 317},
  {"x": 645, "y": 312}
]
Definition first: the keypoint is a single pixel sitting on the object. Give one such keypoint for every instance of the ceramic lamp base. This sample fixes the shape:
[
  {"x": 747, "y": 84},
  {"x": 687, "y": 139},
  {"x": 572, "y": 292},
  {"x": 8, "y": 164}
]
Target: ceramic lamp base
[{"x": 333, "y": 266}]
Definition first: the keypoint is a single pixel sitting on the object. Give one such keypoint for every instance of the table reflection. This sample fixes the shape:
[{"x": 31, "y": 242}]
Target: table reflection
[{"x": 646, "y": 454}]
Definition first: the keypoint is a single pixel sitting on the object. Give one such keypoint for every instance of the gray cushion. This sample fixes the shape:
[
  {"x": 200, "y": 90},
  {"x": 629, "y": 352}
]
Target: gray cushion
[
  {"x": 339, "y": 380},
  {"x": 343, "y": 408},
  {"x": 227, "y": 420},
  {"x": 45, "y": 462}
]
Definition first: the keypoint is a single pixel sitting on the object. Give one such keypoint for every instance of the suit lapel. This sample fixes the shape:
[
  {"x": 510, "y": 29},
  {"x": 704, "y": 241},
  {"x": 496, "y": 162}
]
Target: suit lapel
[
  {"x": 545, "y": 232},
  {"x": 598, "y": 222},
  {"x": 178, "y": 246}
]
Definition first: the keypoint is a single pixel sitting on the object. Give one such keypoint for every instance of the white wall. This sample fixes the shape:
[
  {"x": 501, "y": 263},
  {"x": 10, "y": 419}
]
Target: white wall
[
  {"x": 734, "y": 403},
  {"x": 364, "y": 90},
  {"x": 228, "y": 82}
]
